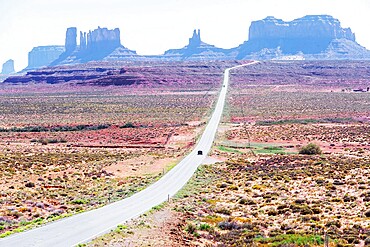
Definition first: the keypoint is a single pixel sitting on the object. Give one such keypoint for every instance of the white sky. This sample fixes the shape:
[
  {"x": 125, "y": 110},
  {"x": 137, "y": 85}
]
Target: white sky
[{"x": 153, "y": 26}]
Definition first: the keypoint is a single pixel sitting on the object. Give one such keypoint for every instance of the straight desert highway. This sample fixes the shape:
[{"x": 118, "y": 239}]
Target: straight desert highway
[{"x": 86, "y": 226}]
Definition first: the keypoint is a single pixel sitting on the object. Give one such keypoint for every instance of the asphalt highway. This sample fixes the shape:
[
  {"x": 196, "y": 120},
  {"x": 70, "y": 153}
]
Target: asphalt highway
[{"x": 83, "y": 227}]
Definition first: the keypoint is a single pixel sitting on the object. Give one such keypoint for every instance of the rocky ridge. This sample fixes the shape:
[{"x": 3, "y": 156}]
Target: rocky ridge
[
  {"x": 312, "y": 37},
  {"x": 8, "y": 67},
  {"x": 311, "y": 26},
  {"x": 99, "y": 44},
  {"x": 43, "y": 55},
  {"x": 126, "y": 74}
]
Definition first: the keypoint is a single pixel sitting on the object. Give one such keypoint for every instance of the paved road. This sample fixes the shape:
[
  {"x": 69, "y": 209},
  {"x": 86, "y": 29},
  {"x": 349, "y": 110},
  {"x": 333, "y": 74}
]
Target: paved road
[{"x": 86, "y": 226}]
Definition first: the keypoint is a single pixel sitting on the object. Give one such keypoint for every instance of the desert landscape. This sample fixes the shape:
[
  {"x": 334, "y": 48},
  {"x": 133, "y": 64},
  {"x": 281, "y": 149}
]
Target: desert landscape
[
  {"x": 257, "y": 189},
  {"x": 68, "y": 148},
  {"x": 75, "y": 147},
  {"x": 184, "y": 123}
]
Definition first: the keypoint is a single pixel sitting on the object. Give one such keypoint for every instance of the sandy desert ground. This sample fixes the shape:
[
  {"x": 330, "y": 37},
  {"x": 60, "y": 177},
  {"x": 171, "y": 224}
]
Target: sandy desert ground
[{"x": 66, "y": 150}]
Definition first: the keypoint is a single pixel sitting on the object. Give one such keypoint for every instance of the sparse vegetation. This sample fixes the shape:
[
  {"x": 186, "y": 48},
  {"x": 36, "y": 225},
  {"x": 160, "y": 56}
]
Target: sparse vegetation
[
  {"x": 128, "y": 125},
  {"x": 56, "y": 129},
  {"x": 261, "y": 193},
  {"x": 292, "y": 239},
  {"x": 310, "y": 149}
]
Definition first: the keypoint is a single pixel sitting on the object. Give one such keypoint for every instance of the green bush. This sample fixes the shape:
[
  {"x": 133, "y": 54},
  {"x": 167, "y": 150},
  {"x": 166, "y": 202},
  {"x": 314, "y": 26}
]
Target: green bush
[
  {"x": 79, "y": 201},
  {"x": 292, "y": 240},
  {"x": 204, "y": 227},
  {"x": 190, "y": 228},
  {"x": 310, "y": 149}
]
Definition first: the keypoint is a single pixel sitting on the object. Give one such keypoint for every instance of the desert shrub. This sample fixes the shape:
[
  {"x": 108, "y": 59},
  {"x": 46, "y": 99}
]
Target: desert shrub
[
  {"x": 190, "y": 228},
  {"x": 310, "y": 149},
  {"x": 29, "y": 185},
  {"x": 333, "y": 223},
  {"x": 282, "y": 206},
  {"x": 343, "y": 243},
  {"x": 316, "y": 210},
  {"x": 52, "y": 141},
  {"x": 300, "y": 201},
  {"x": 275, "y": 232},
  {"x": 79, "y": 201},
  {"x": 56, "y": 128},
  {"x": 348, "y": 198},
  {"x": 233, "y": 187},
  {"x": 292, "y": 240},
  {"x": 46, "y": 141},
  {"x": 330, "y": 186},
  {"x": 247, "y": 201},
  {"x": 306, "y": 210},
  {"x": 226, "y": 225},
  {"x": 258, "y": 187},
  {"x": 367, "y": 241},
  {"x": 222, "y": 186},
  {"x": 223, "y": 211},
  {"x": 367, "y": 213},
  {"x": 366, "y": 199},
  {"x": 336, "y": 199},
  {"x": 121, "y": 228},
  {"x": 213, "y": 219},
  {"x": 272, "y": 212},
  {"x": 204, "y": 227},
  {"x": 127, "y": 125}
]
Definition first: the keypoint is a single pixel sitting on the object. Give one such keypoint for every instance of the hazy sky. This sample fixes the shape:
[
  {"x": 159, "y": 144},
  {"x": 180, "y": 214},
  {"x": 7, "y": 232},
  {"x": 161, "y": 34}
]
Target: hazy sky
[{"x": 153, "y": 26}]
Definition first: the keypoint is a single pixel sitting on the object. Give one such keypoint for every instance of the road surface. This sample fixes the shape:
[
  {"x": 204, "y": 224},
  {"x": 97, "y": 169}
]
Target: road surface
[{"x": 85, "y": 226}]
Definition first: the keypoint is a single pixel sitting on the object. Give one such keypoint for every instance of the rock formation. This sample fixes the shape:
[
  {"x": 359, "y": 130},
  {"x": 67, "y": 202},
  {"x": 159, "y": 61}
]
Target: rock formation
[
  {"x": 103, "y": 39},
  {"x": 311, "y": 34},
  {"x": 196, "y": 50},
  {"x": 8, "y": 67},
  {"x": 83, "y": 44},
  {"x": 71, "y": 39},
  {"x": 43, "y": 55},
  {"x": 96, "y": 45},
  {"x": 308, "y": 27},
  {"x": 195, "y": 41},
  {"x": 309, "y": 37}
]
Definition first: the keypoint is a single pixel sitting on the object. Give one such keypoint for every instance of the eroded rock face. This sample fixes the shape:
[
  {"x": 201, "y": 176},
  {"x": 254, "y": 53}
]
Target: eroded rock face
[
  {"x": 83, "y": 41},
  {"x": 43, "y": 55},
  {"x": 197, "y": 50},
  {"x": 308, "y": 27},
  {"x": 99, "y": 44},
  {"x": 195, "y": 40},
  {"x": 8, "y": 67},
  {"x": 312, "y": 34},
  {"x": 103, "y": 38},
  {"x": 71, "y": 39}
]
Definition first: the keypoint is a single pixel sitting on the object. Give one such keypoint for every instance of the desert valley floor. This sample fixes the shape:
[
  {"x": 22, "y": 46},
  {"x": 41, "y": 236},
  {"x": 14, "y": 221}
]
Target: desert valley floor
[{"x": 74, "y": 138}]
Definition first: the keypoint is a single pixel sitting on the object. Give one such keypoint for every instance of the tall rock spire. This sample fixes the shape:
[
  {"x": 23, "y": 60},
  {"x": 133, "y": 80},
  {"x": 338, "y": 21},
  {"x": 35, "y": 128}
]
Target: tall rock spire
[
  {"x": 195, "y": 40},
  {"x": 83, "y": 41},
  {"x": 71, "y": 39}
]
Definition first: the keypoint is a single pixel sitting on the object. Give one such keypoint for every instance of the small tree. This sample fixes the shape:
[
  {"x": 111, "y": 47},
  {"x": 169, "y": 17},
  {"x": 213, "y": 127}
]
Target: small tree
[{"x": 310, "y": 149}]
